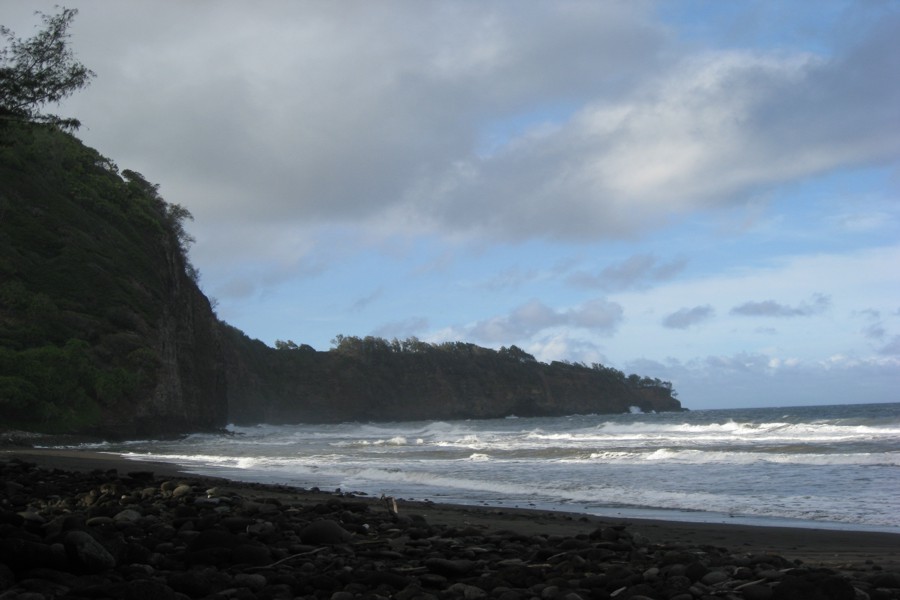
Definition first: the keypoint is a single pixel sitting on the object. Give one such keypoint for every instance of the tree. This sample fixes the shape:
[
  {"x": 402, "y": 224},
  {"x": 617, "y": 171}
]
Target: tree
[
  {"x": 286, "y": 345},
  {"x": 40, "y": 70}
]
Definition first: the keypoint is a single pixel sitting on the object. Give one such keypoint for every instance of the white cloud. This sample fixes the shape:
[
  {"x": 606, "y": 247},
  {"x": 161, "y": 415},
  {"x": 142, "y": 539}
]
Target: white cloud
[{"x": 302, "y": 113}]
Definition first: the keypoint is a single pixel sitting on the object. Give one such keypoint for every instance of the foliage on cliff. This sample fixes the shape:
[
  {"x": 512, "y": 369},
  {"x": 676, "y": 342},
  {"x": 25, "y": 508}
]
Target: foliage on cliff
[
  {"x": 372, "y": 379},
  {"x": 92, "y": 267}
]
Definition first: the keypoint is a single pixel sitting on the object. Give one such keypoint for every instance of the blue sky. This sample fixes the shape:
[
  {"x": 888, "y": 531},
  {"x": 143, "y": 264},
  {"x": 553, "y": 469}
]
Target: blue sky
[{"x": 705, "y": 192}]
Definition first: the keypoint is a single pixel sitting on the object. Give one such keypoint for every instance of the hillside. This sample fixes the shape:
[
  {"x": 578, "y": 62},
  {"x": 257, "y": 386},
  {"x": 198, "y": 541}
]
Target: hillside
[
  {"x": 104, "y": 331},
  {"x": 371, "y": 379},
  {"x": 101, "y": 327}
]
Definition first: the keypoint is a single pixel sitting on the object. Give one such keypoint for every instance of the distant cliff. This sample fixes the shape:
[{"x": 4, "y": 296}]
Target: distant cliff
[
  {"x": 104, "y": 331},
  {"x": 372, "y": 379}
]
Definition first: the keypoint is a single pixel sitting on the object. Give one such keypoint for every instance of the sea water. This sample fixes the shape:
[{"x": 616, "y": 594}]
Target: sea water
[{"x": 815, "y": 466}]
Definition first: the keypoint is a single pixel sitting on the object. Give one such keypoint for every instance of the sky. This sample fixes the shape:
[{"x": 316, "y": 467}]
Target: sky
[{"x": 705, "y": 192}]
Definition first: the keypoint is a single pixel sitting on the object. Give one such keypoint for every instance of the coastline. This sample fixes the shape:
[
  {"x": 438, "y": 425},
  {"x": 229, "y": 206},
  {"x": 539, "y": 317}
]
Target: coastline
[{"x": 838, "y": 549}]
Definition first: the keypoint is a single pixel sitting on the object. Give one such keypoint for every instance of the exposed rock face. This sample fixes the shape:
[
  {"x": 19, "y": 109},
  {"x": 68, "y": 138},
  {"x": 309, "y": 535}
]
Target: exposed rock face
[{"x": 190, "y": 390}]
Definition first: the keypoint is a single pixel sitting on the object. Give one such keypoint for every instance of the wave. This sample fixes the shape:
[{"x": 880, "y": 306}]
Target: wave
[{"x": 604, "y": 499}]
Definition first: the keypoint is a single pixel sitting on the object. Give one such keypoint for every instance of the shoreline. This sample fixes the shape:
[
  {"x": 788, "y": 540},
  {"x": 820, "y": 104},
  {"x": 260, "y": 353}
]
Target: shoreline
[{"x": 840, "y": 549}]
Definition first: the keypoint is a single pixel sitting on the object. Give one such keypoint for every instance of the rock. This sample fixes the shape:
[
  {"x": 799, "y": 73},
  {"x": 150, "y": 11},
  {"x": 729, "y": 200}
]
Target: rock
[
  {"x": 251, "y": 554},
  {"x": 444, "y": 566},
  {"x": 86, "y": 553},
  {"x": 714, "y": 577},
  {"x": 142, "y": 589},
  {"x": 756, "y": 591},
  {"x": 813, "y": 586},
  {"x": 252, "y": 581},
  {"x": 324, "y": 533},
  {"x": 469, "y": 592},
  {"x": 182, "y": 491},
  {"x": 163, "y": 548},
  {"x": 127, "y": 516}
]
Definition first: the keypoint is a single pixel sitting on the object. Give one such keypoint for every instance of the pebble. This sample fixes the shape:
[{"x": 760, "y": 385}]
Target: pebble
[{"x": 135, "y": 537}]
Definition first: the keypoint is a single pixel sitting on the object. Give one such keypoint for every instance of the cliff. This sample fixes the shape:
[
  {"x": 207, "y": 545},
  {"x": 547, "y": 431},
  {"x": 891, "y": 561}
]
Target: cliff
[
  {"x": 372, "y": 379},
  {"x": 102, "y": 329}
]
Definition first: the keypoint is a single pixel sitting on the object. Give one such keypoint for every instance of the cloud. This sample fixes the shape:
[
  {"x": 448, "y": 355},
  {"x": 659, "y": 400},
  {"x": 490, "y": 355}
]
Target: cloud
[
  {"x": 364, "y": 301},
  {"x": 770, "y": 308},
  {"x": 892, "y": 348},
  {"x": 687, "y": 317},
  {"x": 303, "y": 114},
  {"x": 756, "y": 379},
  {"x": 599, "y": 316},
  {"x": 636, "y": 271},
  {"x": 717, "y": 129}
]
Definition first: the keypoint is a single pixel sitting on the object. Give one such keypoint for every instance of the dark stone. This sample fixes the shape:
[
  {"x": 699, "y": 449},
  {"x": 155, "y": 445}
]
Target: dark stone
[
  {"x": 756, "y": 591},
  {"x": 142, "y": 589},
  {"x": 251, "y": 554},
  {"x": 236, "y": 524},
  {"x": 885, "y": 580},
  {"x": 324, "y": 533},
  {"x": 25, "y": 554},
  {"x": 87, "y": 554},
  {"x": 197, "y": 583},
  {"x": 213, "y": 538},
  {"x": 444, "y": 566},
  {"x": 813, "y": 587},
  {"x": 392, "y": 580},
  {"x": 695, "y": 571}
]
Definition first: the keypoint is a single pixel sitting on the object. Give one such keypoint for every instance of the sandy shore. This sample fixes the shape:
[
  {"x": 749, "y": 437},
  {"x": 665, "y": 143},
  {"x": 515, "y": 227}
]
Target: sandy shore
[{"x": 836, "y": 549}]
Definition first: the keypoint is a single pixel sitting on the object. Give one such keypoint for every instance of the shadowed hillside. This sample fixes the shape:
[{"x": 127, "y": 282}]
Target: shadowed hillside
[
  {"x": 372, "y": 379},
  {"x": 102, "y": 328}
]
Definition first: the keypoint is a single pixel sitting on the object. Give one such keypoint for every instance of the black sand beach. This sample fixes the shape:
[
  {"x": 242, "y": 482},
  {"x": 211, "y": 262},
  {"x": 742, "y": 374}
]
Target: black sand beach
[{"x": 89, "y": 525}]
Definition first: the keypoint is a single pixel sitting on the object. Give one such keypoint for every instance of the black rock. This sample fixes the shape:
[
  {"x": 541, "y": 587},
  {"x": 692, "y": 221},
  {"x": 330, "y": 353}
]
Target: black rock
[{"x": 87, "y": 554}]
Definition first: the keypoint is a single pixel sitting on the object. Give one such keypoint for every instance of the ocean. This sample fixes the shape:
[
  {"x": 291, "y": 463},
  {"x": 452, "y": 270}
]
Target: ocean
[{"x": 813, "y": 466}]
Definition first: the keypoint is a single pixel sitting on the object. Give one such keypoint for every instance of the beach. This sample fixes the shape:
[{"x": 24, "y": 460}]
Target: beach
[{"x": 156, "y": 522}]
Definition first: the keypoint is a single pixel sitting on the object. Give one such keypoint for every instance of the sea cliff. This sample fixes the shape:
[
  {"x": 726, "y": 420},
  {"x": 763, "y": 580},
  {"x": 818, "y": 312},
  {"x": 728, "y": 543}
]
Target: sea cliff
[{"x": 104, "y": 330}]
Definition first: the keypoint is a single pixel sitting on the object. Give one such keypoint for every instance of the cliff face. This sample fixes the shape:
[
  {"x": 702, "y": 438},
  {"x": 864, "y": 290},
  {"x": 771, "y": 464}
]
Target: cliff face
[
  {"x": 102, "y": 330},
  {"x": 454, "y": 381},
  {"x": 189, "y": 394}
]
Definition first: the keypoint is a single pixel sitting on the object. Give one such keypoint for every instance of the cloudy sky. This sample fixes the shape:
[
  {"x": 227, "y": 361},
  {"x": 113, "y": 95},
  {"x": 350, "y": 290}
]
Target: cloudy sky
[{"x": 701, "y": 191}]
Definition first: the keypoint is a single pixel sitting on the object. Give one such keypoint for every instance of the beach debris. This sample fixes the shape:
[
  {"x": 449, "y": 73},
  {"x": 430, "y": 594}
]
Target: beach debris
[{"x": 391, "y": 504}]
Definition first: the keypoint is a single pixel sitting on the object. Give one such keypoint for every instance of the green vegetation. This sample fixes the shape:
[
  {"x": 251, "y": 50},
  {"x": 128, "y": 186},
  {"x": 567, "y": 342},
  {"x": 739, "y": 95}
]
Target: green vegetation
[
  {"x": 40, "y": 70},
  {"x": 374, "y": 379},
  {"x": 80, "y": 282},
  {"x": 80, "y": 251},
  {"x": 369, "y": 347}
]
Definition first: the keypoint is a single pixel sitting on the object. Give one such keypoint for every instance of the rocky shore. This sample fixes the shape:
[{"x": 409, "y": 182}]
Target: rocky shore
[{"x": 114, "y": 530}]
